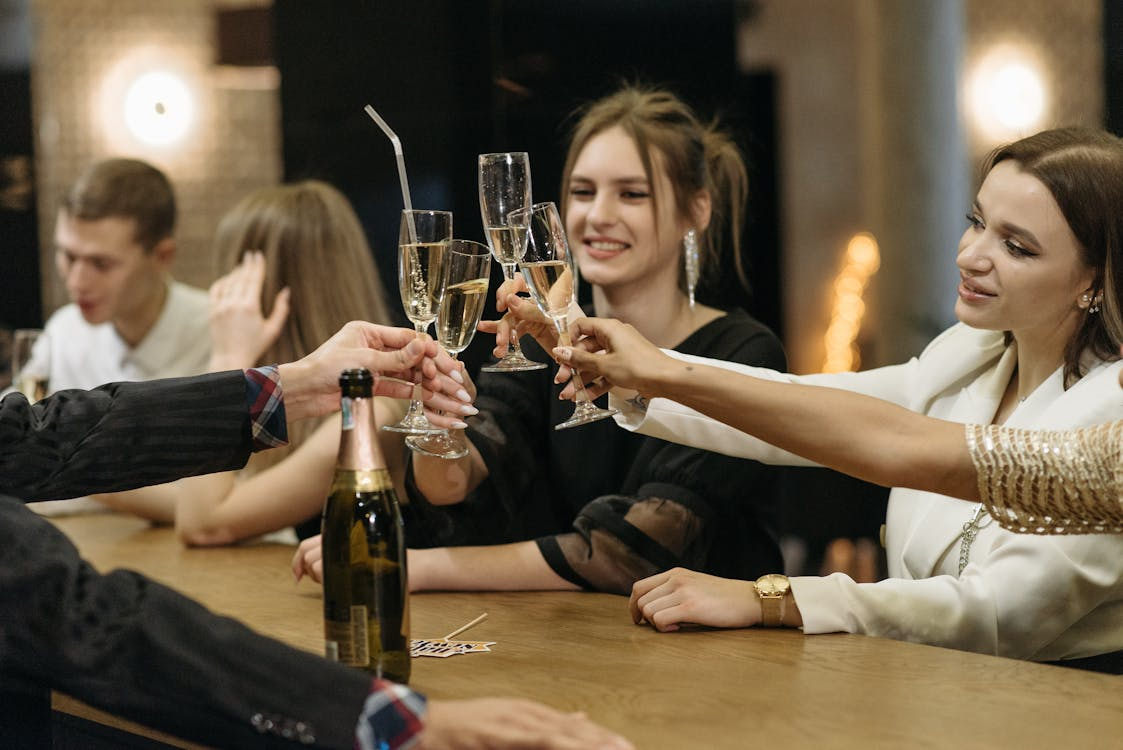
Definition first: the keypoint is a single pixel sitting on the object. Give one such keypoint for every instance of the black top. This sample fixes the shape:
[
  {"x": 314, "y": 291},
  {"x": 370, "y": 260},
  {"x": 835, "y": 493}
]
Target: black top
[{"x": 641, "y": 504}]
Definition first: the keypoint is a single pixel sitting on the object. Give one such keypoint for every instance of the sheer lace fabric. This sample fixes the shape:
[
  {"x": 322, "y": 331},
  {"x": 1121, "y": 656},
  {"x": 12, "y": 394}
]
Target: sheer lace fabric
[{"x": 1051, "y": 482}]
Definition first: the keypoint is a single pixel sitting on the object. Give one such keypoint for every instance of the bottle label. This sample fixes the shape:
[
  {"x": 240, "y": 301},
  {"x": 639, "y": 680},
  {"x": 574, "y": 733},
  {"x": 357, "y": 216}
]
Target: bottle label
[
  {"x": 348, "y": 642},
  {"x": 348, "y": 416},
  {"x": 360, "y": 639}
]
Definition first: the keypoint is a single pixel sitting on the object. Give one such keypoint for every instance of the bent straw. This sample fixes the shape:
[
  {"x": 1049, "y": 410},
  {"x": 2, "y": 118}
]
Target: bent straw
[
  {"x": 462, "y": 628},
  {"x": 401, "y": 169}
]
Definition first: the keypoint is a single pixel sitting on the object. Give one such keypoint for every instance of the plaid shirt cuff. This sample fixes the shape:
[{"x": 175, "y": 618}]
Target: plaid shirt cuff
[
  {"x": 391, "y": 718},
  {"x": 267, "y": 408}
]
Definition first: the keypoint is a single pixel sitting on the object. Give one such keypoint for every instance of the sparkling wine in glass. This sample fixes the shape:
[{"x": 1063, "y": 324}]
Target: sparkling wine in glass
[
  {"x": 504, "y": 181},
  {"x": 550, "y": 272},
  {"x": 469, "y": 268},
  {"x": 31, "y": 363},
  {"x": 422, "y": 274}
]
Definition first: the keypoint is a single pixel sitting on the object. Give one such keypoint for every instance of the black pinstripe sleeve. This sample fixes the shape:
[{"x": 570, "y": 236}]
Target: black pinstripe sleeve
[{"x": 122, "y": 435}]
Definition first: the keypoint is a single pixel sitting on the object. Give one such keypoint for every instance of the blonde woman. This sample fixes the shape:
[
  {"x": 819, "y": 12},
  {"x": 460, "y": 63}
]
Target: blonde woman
[
  {"x": 650, "y": 192},
  {"x": 299, "y": 267},
  {"x": 297, "y": 249}
]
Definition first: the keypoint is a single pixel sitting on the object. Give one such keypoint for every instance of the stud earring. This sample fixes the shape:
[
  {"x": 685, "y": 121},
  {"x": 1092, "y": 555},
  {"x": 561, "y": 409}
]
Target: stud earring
[{"x": 690, "y": 260}]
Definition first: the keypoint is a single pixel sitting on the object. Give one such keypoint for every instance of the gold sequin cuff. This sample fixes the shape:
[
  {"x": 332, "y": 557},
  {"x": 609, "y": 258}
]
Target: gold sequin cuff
[{"x": 1051, "y": 481}]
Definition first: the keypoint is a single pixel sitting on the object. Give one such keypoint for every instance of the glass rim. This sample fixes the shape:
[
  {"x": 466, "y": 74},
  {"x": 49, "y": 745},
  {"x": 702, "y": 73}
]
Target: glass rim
[
  {"x": 432, "y": 211},
  {"x": 504, "y": 153},
  {"x": 534, "y": 208},
  {"x": 481, "y": 248}
]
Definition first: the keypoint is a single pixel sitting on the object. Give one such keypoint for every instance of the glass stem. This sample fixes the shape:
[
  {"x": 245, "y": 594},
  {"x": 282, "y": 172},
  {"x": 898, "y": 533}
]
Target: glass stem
[
  {"x": 516, "y": 350},
  {"x": 564, "y": 340},
  {"x": 416, "y": 407}
]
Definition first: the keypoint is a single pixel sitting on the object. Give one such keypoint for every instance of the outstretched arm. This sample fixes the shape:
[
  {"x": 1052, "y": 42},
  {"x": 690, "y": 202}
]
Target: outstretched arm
[
  {"x": 501, "y": 567},
  {"x": 861, "y": 436}
]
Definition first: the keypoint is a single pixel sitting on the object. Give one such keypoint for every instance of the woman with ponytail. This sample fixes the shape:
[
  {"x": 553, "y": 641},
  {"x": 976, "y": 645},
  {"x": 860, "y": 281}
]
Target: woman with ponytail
[{"x": 648, "y": 193}]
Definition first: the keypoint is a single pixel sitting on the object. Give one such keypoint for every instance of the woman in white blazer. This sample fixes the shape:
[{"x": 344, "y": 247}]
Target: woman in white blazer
[{"x": 1041, "y": 323}]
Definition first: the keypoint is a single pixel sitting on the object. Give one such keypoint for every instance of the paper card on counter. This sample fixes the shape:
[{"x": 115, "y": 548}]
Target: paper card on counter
[{"x": 442, "y": 649}]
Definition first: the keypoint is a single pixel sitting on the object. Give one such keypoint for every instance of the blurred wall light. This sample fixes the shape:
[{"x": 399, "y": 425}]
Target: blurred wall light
[
  {"x": 1007, "y": 95},
  {"x": 863, "y": 258},
  {"x": 159, "y": 108}
]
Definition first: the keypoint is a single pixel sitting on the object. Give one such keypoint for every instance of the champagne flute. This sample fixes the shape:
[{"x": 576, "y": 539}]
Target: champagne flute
[
  {"x": 31, "y": 363},
  {"x": 551, "y": 275},
  {"x": 422, "y": 273},
  {"x": 469, "y": 266},
  {"x": 504, "y": 181}
]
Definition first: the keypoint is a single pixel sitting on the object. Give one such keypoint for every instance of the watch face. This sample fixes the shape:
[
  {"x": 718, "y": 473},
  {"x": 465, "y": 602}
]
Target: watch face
[{"x": 772, "y": 584}]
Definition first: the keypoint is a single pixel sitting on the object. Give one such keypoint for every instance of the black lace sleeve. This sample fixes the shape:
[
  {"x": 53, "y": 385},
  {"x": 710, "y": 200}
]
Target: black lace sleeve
[
  {"x": 681, "y": 506},
  {"x": 511, "y": 433}
]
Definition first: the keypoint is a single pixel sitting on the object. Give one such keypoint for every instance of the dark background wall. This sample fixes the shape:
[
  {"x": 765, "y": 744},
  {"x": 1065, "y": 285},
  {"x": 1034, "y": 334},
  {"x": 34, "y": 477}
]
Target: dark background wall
[
  {"x": 20, "y": 301},
  {"x": 456, "y": 78}
]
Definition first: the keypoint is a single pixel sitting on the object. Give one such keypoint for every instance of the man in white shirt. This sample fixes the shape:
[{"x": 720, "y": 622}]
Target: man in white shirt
[{"x": 128, "y": 319}]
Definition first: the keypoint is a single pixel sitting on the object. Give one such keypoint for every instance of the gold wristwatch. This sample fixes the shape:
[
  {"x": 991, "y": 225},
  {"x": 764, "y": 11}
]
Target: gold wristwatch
[{"x": 773, "y": 591}]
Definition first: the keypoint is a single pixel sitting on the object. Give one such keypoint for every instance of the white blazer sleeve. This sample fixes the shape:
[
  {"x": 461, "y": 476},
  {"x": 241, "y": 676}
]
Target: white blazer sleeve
[
  {"x": 669, "y": 420},
  {"x": 1031, "y": 597}
]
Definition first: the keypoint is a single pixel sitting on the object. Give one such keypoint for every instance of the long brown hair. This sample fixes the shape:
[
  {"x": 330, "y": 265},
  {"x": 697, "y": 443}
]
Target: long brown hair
[
  {"x": 313, "y": 244},
  {"x": 1083, "y": 170},
  {"x": 696, "y": 157}
]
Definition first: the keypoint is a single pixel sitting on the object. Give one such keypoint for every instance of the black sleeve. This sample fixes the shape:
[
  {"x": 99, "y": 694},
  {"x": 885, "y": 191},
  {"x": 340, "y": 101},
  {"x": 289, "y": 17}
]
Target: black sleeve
[
  {"x": 126, "y": 644},
  {"x": 122, "y": 435},
  {"x": 508, "y": 432},
  {"x": 681, "y": 506}
]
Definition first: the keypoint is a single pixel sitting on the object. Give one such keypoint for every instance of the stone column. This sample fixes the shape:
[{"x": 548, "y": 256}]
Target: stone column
[{"x": 919, "y": 179}]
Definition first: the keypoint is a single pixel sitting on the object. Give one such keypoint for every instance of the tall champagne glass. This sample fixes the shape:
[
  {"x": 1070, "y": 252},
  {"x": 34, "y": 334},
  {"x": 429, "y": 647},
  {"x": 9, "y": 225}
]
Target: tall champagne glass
[
  {"x": 505, "y": 187},
  {"x": 551, "y": 275},
  {"x": 469, "y": 266},
  {"x": 422, "y": 274}
]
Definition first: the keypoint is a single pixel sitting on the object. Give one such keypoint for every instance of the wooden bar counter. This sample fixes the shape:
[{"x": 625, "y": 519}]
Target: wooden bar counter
[{"x": 702, "y": 688}]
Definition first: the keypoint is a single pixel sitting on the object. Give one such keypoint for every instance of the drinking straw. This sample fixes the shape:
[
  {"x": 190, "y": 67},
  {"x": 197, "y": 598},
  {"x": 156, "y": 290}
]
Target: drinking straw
[
  {"x": 462, "y": 628},
  {"x": 401, "y": 168}
]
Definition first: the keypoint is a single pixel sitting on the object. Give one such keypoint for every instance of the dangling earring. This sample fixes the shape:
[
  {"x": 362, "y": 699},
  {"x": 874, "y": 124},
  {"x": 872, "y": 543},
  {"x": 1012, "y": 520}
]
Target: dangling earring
[
  {"x": 1094, "y": 307},
  {"x": 690, "y": 260}
]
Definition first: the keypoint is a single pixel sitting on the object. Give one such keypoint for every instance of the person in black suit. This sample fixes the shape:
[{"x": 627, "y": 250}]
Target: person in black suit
[{"x": 126, "y": 644}]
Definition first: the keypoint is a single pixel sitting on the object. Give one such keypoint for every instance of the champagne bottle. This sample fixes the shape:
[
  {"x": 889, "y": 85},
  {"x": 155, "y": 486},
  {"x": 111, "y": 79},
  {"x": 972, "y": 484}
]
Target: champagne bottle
[{"x": 366, "y": 596}]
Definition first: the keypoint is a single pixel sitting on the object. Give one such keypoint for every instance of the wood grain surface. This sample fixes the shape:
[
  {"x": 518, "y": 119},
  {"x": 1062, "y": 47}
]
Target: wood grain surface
[{"x": 698, "y": 688}]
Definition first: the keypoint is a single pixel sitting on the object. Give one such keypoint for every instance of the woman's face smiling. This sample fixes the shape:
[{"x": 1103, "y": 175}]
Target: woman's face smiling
[
  {"x": 611, "y": 219},
  {"x": 1019, "y": 263}
]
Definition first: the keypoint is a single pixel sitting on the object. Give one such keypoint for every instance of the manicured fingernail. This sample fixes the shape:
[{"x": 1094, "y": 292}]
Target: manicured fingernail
[
  {"x": 455, "y": 375},
  {"x": 463, "y": 396},
  {"x": 468, "y": 410},
  {"x": 563, "y": 352},
  {"x": 459, "y": 425}
]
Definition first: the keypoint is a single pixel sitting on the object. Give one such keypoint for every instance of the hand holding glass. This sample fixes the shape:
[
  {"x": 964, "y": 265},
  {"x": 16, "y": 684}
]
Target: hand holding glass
[
  {"x": 422, "y": 275},
  {"x": 504, "y": 181},
  {"x": 469, "y": 269},
  {"x": 31, "y": 363},
  {"x": 550, "y": 272}
]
